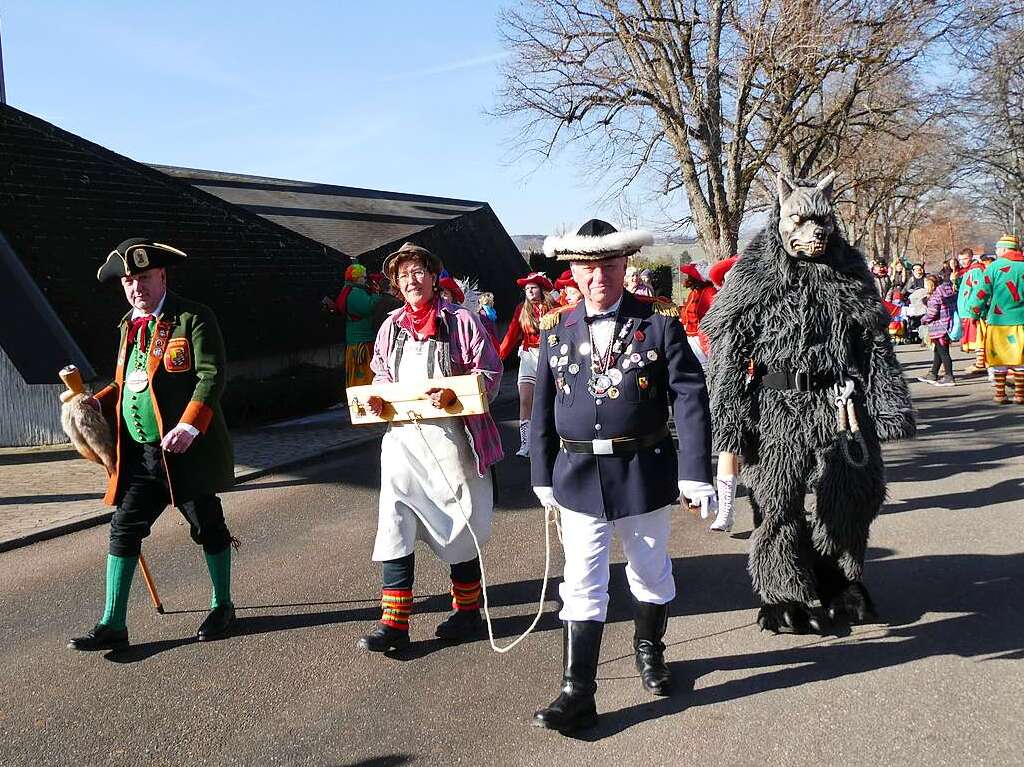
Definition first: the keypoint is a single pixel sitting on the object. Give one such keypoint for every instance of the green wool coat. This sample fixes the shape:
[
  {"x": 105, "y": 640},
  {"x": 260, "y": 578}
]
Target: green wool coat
[{"x": 187, "y": 372}]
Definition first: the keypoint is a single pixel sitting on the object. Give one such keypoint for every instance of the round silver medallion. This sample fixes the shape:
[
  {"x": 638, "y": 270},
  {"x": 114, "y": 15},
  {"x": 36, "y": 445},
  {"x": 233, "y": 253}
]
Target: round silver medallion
[{"x": 137, "y": 381}]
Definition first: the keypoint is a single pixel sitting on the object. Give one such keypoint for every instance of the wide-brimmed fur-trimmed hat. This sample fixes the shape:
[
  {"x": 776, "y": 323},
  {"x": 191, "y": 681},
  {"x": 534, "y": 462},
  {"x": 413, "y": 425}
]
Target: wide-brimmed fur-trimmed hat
[
  {"x": 410, "y": 250},
  {"x": 596, "y": 240},
  {"x": 136, "y": 255}
]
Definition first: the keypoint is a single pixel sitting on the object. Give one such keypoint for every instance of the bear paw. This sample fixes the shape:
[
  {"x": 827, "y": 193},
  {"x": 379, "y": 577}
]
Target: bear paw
[
  {"x": 788, "y": 618},
  {"x": 853, "y": 605}
]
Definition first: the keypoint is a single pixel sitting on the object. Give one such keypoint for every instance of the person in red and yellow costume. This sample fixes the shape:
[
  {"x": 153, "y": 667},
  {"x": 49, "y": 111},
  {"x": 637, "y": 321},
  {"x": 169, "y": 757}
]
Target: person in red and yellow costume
[
  {"x": 355, "y": 303},
  {"x": 524, "y": 335}
]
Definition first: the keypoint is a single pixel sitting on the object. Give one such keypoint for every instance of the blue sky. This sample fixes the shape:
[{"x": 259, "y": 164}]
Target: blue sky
[{"x": 387, "y": 96}]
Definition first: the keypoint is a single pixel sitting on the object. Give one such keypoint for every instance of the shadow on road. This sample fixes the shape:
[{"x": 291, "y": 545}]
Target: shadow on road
[{"x": 986, "y": 588}]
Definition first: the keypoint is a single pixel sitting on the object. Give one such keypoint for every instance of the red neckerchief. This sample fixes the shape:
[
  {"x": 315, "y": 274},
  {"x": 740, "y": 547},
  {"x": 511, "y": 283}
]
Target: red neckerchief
[
  {"x": 422, "y": 322},
  {"x": 138, "y": 330}
]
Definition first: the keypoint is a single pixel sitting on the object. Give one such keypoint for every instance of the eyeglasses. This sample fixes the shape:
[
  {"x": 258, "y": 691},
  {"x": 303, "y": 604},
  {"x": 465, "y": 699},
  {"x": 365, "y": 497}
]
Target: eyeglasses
[{"x": 412, "y": 274}]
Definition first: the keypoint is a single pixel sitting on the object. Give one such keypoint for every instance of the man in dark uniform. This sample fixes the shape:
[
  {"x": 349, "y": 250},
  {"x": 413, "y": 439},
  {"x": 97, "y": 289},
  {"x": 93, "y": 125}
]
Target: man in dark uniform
[
  {"x": 602, "y": 454},
  {"x": 171, "y": 440}
]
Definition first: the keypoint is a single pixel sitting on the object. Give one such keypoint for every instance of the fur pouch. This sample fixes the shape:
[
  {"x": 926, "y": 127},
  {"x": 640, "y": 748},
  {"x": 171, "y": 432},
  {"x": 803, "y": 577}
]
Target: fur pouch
[{"x": 89, "y": 432}]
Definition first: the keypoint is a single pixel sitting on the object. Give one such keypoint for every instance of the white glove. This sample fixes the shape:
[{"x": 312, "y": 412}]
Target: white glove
[
  {"x": 700, "y": 494},
  {"x": 179, "y": 439},
  {"x": 546, "y": 496}
]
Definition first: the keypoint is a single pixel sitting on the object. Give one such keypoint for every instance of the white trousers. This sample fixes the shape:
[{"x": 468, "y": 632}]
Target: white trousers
[{"x": 587, "y": 542}]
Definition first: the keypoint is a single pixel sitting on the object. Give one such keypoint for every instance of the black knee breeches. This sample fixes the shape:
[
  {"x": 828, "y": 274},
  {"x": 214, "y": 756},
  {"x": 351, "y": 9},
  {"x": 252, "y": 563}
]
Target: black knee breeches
[{"x": 146, "y": 495}]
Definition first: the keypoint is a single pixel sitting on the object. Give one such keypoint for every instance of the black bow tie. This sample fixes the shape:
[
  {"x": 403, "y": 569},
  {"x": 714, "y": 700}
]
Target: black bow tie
[{"x": 595, "y": 317}]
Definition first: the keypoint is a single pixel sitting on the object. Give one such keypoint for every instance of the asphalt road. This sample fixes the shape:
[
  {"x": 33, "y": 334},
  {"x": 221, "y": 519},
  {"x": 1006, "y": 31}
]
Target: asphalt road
[{"x": 940, "y": 682}]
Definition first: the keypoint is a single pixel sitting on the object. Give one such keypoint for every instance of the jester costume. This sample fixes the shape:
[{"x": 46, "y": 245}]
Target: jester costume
[{"x": 999, "y": 301}]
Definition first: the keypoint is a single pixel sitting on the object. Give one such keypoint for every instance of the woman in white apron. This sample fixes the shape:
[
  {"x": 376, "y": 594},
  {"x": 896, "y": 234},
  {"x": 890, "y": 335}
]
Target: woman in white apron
[{"x": 435, "y": 480}]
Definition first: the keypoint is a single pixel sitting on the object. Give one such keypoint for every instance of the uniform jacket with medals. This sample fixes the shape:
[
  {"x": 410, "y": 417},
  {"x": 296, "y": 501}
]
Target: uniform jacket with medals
[
  {"x": 652, "y": 367},
  {"x": 186, "y": 370}
]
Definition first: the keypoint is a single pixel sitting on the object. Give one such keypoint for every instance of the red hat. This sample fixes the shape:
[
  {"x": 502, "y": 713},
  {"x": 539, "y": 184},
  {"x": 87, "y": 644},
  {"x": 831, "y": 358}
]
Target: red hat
[
  {"x": 718, "y": 271},
  {"x": 565, "y": 280},
  {"x": 696, "y": 271},
  {"x": 447, "y": 282},
  {"x": 535, "y": 278}
]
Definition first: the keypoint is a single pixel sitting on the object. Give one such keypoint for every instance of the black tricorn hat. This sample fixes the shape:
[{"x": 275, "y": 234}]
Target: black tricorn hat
[{"x": 136, "y": 255}]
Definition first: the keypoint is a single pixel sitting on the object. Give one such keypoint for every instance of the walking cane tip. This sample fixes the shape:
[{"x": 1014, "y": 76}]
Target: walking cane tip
[{"x": 160, "y": 609}]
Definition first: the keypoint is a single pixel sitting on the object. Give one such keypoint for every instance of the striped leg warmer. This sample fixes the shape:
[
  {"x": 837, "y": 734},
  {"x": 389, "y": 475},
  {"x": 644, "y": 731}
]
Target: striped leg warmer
[
  {"x": 396, "y": 606},
  {"x": 465, "y": 596},
  {"x": 999, "y": 382},
  {"x": 1018, "y": 386}
]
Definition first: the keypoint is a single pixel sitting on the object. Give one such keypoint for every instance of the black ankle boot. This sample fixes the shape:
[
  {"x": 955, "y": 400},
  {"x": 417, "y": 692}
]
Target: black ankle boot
[
  {"x": 101, "y": 637},
  {"x": 384, "y": 638},
  {"x": 460, "y": 625},
  {"x": 217, "y": 624},
  {"x": 575, "y": 707},
  {"x": 650, "y": 622}
]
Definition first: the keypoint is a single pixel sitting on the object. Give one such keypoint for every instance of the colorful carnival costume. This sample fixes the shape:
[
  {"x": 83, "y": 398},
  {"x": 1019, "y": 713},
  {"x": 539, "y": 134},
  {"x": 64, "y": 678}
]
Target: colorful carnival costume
[
  {"x": 523, "y": 334},
  {"x": 172, "y": 444},
  {"x": 601, "y": 453},
  {"x": 355, "y": 303},
  {"x": 801, "y": 313},
  {"x": 972, "y": 339},
  {"x": 435, "y": 480},
  {"x": 999, "y": 301},
  {"x": 696, "y": 305}
]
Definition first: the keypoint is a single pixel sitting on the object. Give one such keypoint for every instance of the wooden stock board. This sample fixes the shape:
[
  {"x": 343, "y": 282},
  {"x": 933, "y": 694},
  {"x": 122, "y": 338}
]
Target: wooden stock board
[{"x": 408, "y": 399}]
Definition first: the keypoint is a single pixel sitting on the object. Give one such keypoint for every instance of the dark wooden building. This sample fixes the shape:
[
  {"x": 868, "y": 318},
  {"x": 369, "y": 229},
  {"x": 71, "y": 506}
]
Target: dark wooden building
[{"x": 262, "y": 253}]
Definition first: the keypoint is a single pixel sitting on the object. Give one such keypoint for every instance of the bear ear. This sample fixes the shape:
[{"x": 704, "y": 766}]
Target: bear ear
[
  {"x": 785, "y": 187},
  {"x": 825, "y": 185}
]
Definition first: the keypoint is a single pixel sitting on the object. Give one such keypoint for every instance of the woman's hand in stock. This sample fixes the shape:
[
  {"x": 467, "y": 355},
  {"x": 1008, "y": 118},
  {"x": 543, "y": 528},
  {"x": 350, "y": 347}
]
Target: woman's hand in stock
[{"x": 441, "y": 398}]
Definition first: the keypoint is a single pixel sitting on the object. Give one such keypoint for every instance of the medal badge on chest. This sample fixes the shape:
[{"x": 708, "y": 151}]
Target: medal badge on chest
[{"x": 137, "y": 381}]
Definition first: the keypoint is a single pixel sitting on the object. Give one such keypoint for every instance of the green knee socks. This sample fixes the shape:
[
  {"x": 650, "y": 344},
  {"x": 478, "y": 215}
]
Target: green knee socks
[
  {"x": 120, "y": 571},
  {"x": 219, "y": 566}
]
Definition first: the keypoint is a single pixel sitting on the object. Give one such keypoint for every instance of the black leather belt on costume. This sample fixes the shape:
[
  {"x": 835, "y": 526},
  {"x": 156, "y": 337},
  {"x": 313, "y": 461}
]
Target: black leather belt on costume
[
  {"x": 797, "y": 380},
  {"x": 616, "y": 445}
]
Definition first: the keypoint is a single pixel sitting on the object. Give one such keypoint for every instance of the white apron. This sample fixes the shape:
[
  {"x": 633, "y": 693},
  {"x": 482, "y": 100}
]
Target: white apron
[{"x": 420, "y": 465}]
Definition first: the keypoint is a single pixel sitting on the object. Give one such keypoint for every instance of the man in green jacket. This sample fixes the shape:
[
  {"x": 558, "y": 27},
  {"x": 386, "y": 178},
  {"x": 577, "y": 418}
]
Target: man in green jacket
[{"x": 172, "y": 443}]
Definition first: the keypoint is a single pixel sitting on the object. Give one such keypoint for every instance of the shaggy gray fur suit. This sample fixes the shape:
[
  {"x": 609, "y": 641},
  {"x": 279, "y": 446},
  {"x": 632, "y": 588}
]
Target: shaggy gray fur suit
[{"x": 814, "y": 310}]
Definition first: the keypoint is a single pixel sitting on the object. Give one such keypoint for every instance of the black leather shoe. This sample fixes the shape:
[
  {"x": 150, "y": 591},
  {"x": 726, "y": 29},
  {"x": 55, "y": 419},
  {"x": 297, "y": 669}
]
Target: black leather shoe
[
  {"x": 100, "y": 638},
  {"x": 384, "y": 638},
  {"x": 217, "y": 623},
  {"x": 650, "y": 622},
  {"x": 460, "y": 625},
  {"x": 575, "y": 708}
]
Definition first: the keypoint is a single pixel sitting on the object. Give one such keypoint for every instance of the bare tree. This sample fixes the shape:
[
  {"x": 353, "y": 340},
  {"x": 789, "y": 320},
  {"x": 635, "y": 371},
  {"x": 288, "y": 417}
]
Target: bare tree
[
  {"x": 703, "y": 97},
  {"x": 987, "y": 105}
]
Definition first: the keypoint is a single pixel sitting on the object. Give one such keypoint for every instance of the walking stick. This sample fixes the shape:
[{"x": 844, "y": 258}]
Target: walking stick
[
  {"x": 91, "y": 436},
  {"x": 148, "y": 578}
]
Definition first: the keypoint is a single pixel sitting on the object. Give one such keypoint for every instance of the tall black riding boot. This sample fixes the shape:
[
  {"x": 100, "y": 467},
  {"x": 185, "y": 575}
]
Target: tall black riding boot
[
  {"x": 575, "y": 708},
  {"x": 650, "y": 622}
]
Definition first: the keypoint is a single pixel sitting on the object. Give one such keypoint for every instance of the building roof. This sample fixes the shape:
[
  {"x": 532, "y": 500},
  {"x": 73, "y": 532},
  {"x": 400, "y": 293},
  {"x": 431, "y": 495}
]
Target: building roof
[
  {"x": 348, "y": 219},
  {"x": 65, "y": 202}
]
